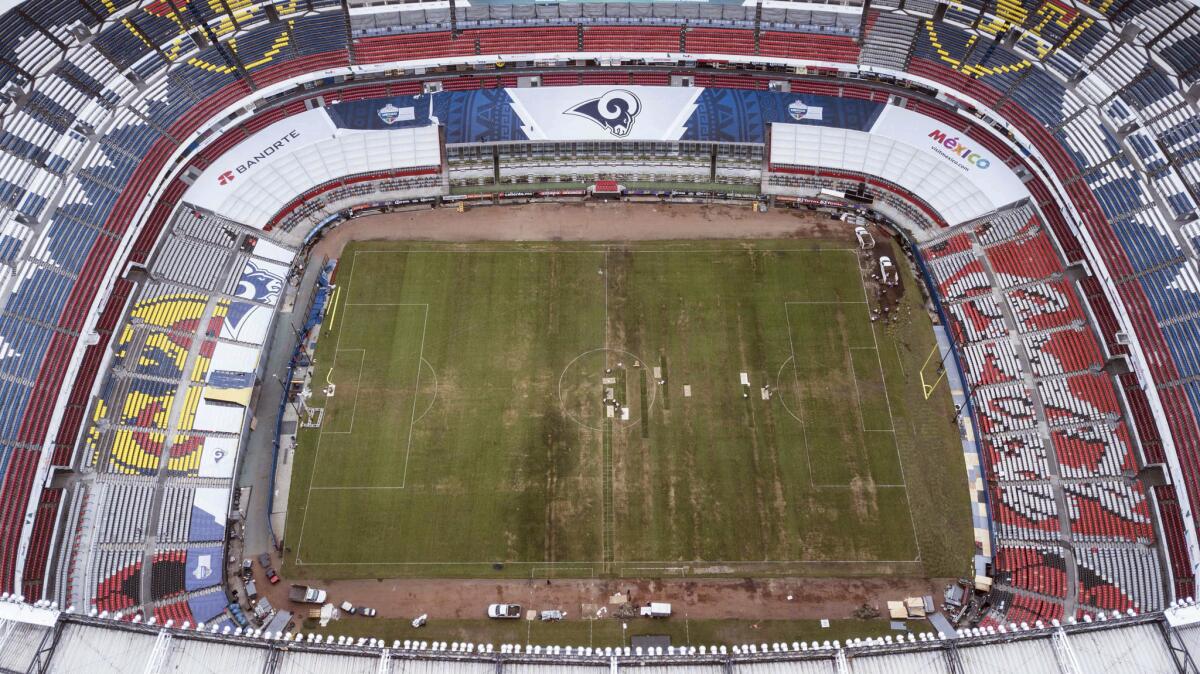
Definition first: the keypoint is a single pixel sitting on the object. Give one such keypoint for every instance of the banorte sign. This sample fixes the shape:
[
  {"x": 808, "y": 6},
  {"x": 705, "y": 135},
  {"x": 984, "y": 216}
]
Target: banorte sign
[
  {"x": 226, "y": 177},
  {"x": 963, "y": 152}
]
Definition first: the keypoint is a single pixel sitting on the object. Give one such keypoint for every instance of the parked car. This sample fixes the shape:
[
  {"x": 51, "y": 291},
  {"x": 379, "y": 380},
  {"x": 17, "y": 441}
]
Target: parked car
[
  {"x": 347, "y": 607},
  {"x": 420, "y": 620},
  {"x": 366, "y": 611},
  {"x": 504, "y": 611},
  {"x": 553, "y": 614},
  {"x": 265, "y": 560},
  {"x": 272, "y": 577}
]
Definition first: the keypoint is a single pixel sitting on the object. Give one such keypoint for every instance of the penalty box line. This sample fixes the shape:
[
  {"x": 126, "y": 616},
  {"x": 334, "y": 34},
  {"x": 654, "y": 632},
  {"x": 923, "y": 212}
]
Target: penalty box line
[
  {"x": 416, "y": 398},
  {"x": 321, "y": 434},
  {"x": 891, "y": 417},
  {"x": 858, "y": 398}
]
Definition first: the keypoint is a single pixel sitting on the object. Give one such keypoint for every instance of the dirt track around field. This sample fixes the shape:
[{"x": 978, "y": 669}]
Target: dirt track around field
[
  {"x": 583, "y": 222},
  {"x": 698, "y": 598}
]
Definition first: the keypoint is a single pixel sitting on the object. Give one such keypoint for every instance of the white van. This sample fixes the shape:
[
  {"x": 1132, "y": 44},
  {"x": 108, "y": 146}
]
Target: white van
[
  {"x": 887, "y": 270},
  {"x": 656, "y": 609}
]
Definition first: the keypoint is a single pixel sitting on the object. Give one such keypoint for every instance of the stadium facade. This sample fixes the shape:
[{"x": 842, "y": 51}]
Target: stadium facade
[
  {"x": 41, "y": 640},
  {"x": 163, "y": 163}
]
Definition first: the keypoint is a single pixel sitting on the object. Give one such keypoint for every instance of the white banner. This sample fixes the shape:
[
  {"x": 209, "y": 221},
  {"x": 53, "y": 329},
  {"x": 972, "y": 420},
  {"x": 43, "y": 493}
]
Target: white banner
[
  {"x": 605, "y": 112},
  {"x": 250, "y": 157},
  {"x": 969, "y": 159},
  {"x": 218, "y": 457}
]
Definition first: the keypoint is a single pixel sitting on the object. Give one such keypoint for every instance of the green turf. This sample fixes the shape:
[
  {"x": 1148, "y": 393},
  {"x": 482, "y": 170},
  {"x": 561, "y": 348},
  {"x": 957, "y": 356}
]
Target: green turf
[{"x": 467, "y": 435}]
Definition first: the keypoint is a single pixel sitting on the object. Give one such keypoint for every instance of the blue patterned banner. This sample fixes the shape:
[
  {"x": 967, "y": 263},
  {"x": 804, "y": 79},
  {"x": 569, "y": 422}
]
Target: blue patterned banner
[{"x": 605, "y": 113}]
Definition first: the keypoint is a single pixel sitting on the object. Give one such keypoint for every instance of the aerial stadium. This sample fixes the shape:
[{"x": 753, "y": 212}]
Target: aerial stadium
[{"x": 759, "y": 335}]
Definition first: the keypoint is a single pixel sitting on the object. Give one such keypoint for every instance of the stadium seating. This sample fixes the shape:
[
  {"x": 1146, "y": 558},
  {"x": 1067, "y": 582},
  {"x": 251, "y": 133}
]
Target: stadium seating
[
  {"x": 1064, "y": 388},
  {"x": 1036, "y": 569},
  {"x": 1016, "y": 457},
  {"x": 166, "y": 574}
]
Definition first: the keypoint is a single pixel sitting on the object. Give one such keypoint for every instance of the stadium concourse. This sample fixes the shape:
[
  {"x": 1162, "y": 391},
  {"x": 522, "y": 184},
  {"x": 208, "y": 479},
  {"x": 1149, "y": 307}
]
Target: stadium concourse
[{"x": 163, "y": 162}]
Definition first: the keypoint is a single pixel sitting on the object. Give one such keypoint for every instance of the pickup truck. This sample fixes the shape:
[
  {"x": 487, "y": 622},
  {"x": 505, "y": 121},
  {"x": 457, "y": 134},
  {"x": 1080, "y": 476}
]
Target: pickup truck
[
  {"x": 504, "y": 611},
  {"x": 306, "y": 595}
]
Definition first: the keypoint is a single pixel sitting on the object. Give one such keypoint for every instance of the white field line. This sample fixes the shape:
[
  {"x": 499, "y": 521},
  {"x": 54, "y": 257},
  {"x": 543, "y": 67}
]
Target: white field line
[
  {"x": 674, "y": 563},
  {"x": 354, "y": 412},
  {"x": 601, "y": 247},
  {"x": 533, "y": 571},
  {"x": 412, "y": 416},
  {"x": 857, "y": 390},
  {"x": 862, "y": 423},
  {"x": 412, "y": 419},
  {"x": 317, "y": 452},
  {"x": 639, "y": 571},
  {"x": 362, "y": 359},
  {"x": 664, "y": 564},
  {"x": 891, "y": 417},
  {"x": 606, "y": 305},
  {"x": 858, "y": 396},
  {"x": 799, "y": 403}
]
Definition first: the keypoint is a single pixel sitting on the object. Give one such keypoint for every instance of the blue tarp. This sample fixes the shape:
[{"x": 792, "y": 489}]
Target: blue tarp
[{"x": 228, "y": 379}]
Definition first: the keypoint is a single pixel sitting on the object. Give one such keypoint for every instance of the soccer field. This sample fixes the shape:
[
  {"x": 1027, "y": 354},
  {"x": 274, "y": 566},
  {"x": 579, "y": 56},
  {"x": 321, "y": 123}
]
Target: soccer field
[{"x": 500, "y": 410}]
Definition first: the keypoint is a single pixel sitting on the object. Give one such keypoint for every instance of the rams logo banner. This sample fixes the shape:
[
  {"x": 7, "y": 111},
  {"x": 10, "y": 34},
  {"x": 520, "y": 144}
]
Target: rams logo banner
[{"x": 615, "y": 111}]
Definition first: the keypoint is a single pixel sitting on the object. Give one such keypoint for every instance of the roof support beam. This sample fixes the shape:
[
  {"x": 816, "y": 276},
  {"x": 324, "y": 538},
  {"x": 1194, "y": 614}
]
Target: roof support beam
[
  {"x": 158, "y": 656},
  {"x": 384, "y": 666},
  {"x": 843, "y": 666},
  {"x": 1067, "y": 661}
]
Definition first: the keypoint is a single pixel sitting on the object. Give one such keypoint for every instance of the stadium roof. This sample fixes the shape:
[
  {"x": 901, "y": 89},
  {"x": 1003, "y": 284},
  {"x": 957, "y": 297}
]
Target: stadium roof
[{"x": 1160, "y": 642}]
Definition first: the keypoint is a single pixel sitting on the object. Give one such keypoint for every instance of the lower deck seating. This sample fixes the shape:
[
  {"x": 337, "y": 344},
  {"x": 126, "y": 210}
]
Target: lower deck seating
[
  {"x": 411, "y": 46},
  {"x": 1025, "y": 512},
  {"x": 167, "y": 573},
  {"x": 1030, "y": 610},
  {"x": 1036, "y": 569},
  {"x": 1063, "y": 387},
  {"x": 118, "y": 577},
  {"x": 1105, "y": 511},
  {"x": 1119, "y": 579},
  {"x": 1019, "y": 456},
  {"x": 993, "y": 362},
  {"x": 1063, "y": 351},
  {"x": 1044, "y": 305},
  {"x": 1091, "y": 451},
  {"x": 808, "y": 46},
  {"x": 178, "y": 613}
]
